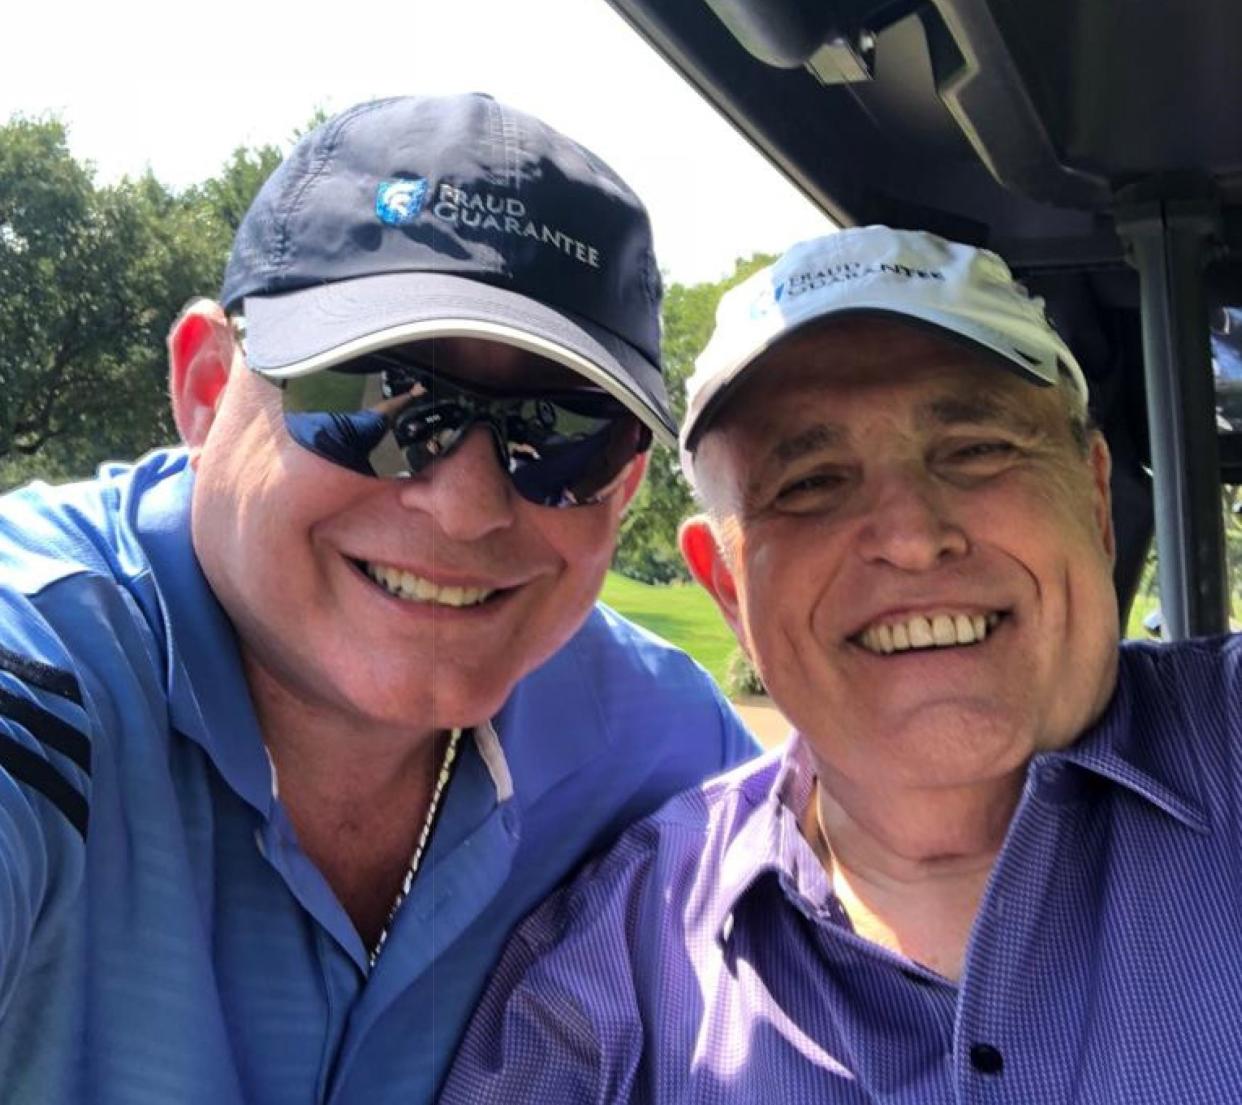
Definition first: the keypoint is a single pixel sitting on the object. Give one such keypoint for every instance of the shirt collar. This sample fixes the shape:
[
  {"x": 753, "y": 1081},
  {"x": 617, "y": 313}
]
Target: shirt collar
[
  {"x": 771, "y": 799},
  {"x": 1135, "y": 742},
  {"x": 1132, "y": 745},
  {"x": 208, "y": 697},
  {"x": 554, "y": 722}
]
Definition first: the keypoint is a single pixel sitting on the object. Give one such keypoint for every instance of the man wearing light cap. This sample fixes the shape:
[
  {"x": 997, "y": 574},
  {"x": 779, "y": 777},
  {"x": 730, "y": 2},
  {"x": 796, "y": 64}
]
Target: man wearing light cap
[
  {"x": 997, "y": 860},
  {"x": 297, "y": 721}
]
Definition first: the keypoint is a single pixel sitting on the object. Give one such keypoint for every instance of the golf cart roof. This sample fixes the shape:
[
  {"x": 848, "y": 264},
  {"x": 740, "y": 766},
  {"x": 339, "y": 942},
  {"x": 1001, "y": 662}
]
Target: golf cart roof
[{"x": 1097, "y": 146}]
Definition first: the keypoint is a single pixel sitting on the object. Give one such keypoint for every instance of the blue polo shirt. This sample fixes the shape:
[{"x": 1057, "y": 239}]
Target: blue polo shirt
[
  {"x": 163, "y": 938},
  {"x": 707, "y": 958}
]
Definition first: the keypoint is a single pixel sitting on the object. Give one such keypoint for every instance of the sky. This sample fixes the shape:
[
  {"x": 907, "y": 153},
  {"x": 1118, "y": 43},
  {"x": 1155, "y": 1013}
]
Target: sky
[{"x": 177, "y": 87}]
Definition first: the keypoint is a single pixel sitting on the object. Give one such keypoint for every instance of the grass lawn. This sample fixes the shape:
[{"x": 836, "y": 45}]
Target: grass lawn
[{"x": 681, "y": 613}]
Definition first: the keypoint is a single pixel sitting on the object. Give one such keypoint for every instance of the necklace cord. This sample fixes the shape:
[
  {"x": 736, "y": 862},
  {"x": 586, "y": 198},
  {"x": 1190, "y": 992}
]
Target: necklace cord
[{"x": 424, "y": 835}]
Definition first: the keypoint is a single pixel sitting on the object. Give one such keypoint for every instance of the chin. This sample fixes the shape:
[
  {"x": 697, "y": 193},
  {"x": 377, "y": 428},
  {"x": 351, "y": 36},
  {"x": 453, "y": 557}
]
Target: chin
[
  {"x": 462, "y": 704},
  {"x": 952, "y": 765}
]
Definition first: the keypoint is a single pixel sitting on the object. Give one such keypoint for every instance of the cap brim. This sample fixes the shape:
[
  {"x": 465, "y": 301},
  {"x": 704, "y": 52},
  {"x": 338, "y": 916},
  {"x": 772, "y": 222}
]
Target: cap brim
[
  {"x": 948, "y": 326},
  {"x": 310, "y": 329}
]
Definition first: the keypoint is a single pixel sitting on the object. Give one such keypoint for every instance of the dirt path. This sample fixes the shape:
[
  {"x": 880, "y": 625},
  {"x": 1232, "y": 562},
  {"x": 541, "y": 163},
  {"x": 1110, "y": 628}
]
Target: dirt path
[{"x": 763, "y": 719}]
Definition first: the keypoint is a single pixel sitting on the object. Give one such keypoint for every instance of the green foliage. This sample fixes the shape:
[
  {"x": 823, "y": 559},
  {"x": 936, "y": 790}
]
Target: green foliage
[
  {"x": 226, "y": 198},
  {"x": 91, "y": 278},
  {"x": 741, "y": 679},
  {"x": 1147, "y": 596},
  {"x": 647, "y": 549}
]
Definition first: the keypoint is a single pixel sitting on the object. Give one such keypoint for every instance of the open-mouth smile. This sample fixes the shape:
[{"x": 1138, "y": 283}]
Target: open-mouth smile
[{"x": 942, "y": 629}]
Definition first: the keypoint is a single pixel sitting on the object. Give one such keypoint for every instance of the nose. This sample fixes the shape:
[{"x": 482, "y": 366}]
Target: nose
[
  {"x": 910, "y": 524},
  {"x": 466, "y": 492}
]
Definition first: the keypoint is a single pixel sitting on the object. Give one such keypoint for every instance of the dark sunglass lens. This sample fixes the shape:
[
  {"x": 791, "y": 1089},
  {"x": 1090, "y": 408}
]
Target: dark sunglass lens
[
  {"x": 426, "y": 430},
  {"x": 560, "y": 449},
  {"x": 344, "y": 439},
  {"x": 338, "y": 392},
  {"x": 559, "y": 470}
]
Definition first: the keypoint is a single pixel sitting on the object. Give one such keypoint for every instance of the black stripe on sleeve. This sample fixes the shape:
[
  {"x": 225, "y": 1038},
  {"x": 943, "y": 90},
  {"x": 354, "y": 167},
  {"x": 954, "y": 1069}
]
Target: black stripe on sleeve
[
  {"x": 30, "y": 768},
  {"x": 41, "y": 675},
  {"x": 47, "y": 728}
]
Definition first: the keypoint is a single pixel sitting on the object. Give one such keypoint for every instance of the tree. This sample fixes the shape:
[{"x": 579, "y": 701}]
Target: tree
[
  {"x": 91, "y": 278},
  {"x": 227, "y": 197},
  {"x": 648, "y": 546}
]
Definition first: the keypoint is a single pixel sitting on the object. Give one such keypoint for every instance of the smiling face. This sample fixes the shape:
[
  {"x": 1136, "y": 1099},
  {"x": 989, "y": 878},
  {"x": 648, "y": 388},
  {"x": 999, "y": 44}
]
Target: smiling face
[
  {"x": 917, "y": 553},
  {"x": 408, "y": 603}
]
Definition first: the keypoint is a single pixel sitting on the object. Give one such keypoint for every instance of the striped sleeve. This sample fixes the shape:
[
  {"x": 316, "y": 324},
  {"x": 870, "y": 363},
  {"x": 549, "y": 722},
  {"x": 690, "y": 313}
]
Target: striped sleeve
[{"x": 45, "y": 775}]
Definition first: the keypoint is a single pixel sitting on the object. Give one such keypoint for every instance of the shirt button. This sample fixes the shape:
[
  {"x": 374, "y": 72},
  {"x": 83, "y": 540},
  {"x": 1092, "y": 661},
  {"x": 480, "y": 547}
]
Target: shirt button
[{"x": 986, "y": 1059}]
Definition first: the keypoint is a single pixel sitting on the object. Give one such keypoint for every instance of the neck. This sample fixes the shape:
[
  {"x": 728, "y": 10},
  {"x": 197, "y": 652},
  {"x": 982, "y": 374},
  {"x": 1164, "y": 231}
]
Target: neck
[
  {"x": 331, "y": 751},
  {"x": 910, "y": 867},
  {"x": 357, "y": 796}
]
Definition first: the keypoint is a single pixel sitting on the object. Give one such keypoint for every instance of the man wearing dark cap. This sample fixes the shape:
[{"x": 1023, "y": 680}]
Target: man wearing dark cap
[
  {"x": 298, "y": 720},
  {"x": 997, "y": 861}
]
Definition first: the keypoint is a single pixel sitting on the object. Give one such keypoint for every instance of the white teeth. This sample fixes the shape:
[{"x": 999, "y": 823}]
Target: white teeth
[
  {"x": 414, "y": 588},
  {"x": 920, "y": 633},
  {"x": 943, "y": 630}
]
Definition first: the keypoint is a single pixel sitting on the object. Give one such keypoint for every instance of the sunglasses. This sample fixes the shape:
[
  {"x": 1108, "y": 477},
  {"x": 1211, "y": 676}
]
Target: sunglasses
[{"x": 385, "y": 416}]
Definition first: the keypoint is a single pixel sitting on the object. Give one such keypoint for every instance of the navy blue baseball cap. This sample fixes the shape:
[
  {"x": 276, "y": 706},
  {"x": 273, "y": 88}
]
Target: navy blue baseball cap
[{"x": 422, "y": 217}]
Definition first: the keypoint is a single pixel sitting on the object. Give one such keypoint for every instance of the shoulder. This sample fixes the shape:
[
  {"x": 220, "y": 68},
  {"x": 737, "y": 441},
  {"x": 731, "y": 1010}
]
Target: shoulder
[
  {"x": 664, "y": 864},
  {"x": 51, "y": 532},
  {"x": 1182, "y": 704},
  {"x": 77, "y": 597},
  {"x": 587, "y": 978},
  {"x": 1196, "y": 673},
  {"x": 610, "y": 643},
  {"x": 631, "y": 671},
  {"x": 618, "y": 686}
]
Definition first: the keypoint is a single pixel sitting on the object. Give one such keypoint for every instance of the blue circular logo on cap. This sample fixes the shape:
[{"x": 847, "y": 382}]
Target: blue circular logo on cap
[{"x": 398, "y": 202}]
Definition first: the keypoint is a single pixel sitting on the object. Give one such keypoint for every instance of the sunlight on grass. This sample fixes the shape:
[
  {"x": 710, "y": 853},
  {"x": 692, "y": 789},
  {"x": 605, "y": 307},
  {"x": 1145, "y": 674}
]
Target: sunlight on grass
[{"x": 681, "y": 613}]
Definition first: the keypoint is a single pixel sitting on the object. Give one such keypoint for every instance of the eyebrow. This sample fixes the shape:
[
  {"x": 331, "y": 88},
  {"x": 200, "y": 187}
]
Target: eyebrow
[
  {"x": 944, "y": 410},
  {"x": 822, "y": 435},
  {"x": 973, "y": 410}
]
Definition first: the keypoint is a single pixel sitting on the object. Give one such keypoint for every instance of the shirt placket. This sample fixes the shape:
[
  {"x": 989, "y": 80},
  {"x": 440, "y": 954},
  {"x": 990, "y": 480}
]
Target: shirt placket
[{"x": 1009, "y": 1026}]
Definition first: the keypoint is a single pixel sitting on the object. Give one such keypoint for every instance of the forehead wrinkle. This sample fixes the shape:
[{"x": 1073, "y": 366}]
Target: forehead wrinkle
[{"x": 973, "y": 410}]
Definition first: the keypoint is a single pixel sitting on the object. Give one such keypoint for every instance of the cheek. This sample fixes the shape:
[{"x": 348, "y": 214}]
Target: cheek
[
  {"x": 779, "y": 588},
  {"x": 583, "y": 538},
  {"x": 258, "y": 503}
]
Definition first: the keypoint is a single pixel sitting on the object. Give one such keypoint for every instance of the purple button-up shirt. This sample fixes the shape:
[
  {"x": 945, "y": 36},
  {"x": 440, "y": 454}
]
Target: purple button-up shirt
[{"x": 706, "y": 959}]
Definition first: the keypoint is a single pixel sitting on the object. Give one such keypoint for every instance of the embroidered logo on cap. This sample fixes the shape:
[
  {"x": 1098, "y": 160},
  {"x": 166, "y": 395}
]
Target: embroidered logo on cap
[{"x": 398, "y": 202}]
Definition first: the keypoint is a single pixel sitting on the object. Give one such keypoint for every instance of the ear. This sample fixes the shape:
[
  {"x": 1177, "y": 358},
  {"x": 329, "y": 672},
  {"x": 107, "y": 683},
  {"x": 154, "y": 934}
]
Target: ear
[
  {"x": 201, "y": 349},
  {"x": 632, "y": 480},
  {"x": 707, "y": 563},
  {"x": 1101, "y": 461}
]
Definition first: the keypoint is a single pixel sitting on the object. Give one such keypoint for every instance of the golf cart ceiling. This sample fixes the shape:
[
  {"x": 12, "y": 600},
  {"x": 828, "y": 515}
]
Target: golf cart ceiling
[
  {"x": 1090, "y": 142},
  {"x": 1010, "y": 124}
]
